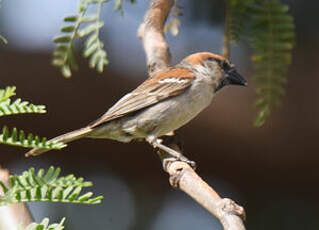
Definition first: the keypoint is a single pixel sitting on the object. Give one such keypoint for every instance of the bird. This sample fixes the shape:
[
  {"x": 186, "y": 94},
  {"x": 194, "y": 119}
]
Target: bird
[{"x": 162, "y": 104}]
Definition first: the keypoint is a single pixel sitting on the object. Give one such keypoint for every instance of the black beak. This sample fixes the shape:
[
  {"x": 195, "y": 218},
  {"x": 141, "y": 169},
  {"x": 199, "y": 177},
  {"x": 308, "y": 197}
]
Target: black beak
[{"x": 232, "y": 77}]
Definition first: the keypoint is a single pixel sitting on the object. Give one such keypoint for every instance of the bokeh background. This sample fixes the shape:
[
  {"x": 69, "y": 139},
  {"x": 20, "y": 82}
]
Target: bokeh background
[{"x": 272, "y": 171}]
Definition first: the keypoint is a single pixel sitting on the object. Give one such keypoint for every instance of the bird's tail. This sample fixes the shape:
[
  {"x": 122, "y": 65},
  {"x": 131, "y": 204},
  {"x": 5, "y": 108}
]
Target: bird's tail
[{"x": 65, "y": 138}]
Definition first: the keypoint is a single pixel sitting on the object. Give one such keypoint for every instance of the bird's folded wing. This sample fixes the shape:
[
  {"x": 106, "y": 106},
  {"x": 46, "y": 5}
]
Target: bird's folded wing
[{"x": 160, "y": 87}]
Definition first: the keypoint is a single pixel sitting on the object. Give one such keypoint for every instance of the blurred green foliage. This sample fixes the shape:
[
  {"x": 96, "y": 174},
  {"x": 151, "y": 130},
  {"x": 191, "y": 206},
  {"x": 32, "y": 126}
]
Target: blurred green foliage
[
  {"x": 269, "y": 29},
  {"x": 63, "y": 56},
  {"x": 34, "y": 187},
  {"x": 19, "y": 138},
  {"x": 44, "y": 225}
]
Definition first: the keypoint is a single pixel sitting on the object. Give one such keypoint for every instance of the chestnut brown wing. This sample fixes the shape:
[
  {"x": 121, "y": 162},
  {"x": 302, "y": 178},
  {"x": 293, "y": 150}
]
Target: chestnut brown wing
[{"x": 158, "y": 88}]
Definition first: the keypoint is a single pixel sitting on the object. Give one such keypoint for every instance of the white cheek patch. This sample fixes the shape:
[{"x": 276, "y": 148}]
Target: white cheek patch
[{"x": 173, "y": 80}]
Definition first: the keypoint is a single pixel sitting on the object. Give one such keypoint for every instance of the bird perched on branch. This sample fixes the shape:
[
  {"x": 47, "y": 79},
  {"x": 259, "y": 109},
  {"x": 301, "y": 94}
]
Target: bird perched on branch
[{"x": 161, "y": 104}]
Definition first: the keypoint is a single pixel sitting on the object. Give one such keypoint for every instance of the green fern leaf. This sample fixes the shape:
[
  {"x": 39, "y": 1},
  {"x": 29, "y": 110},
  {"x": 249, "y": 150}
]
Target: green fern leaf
[
  {"x": 63, "y": 56},
  {"x": 17, "y": 138},
  {"x": 72, "y": 18},
  {"x": 273, "y": 41},
  {"x": 118, "y": 5},
  {"x": 62, "y": 39},
  {"x": 96, "y": 26},
  {"x": 94, "y": 47},
  {"x": 32, "y": 187},
  {"x": 6, "y": 93},
  {"x": 238, "y": 17},
  {"x": 3, "y": 39},
  {"x": 19, "y": 107},
  {"x": 44, "y": 225}
]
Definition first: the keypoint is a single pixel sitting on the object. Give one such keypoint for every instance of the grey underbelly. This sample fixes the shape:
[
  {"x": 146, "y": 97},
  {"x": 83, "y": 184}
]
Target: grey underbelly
[{"x": 157, "y": 120}]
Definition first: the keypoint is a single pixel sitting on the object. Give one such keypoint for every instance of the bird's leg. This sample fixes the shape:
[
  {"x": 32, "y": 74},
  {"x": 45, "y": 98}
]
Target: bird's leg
[{"x": 157, "y": 143}]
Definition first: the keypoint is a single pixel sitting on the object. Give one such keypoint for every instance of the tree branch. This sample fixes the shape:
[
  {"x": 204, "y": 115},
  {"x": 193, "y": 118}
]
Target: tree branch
[
  {"x": 152, "y": 35},
  {"x": 15, "y": 215},
  {"x": 226, "y": 50},
  {"x": 182, "y": 176}
]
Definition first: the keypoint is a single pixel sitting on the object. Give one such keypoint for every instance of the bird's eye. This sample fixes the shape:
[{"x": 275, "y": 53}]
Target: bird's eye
[
  {"x": 211, "y": 59},
  {"x": 225, "y": 65}
]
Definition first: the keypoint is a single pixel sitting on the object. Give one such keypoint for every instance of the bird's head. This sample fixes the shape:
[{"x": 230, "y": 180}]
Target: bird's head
[{"x": 222, "y": 72}]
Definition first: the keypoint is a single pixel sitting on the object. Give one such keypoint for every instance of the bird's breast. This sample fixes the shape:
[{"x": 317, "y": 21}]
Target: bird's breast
[{"x": 175, "y": 112}]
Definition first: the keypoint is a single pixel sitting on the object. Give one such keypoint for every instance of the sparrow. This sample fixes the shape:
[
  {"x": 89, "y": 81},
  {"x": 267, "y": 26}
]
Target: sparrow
[{"x": 161, "y": 104}]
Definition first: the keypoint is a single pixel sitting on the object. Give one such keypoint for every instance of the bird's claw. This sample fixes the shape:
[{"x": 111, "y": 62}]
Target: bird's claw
[
  {"x": 186, "y": 160},
  {"x": 169, "y": 160}
]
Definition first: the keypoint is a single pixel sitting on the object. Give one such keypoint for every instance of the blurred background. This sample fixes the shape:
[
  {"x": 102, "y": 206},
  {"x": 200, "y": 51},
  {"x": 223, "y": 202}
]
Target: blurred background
[{"x": 272, "y": 171}]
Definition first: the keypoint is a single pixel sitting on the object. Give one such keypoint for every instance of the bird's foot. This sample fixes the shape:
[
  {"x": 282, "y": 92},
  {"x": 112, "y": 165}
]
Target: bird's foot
[
  {"x": 169, "y": 160},
  {"x": 175, "y": 156}
]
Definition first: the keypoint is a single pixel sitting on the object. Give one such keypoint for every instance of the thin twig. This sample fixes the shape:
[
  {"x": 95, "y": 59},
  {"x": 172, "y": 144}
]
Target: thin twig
[
  {"x": 182, "y": 176},
  {"x": 15, "y": 215},
  {"x": 151, "y": 32},
  {"x": 226, "y": 50}
]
